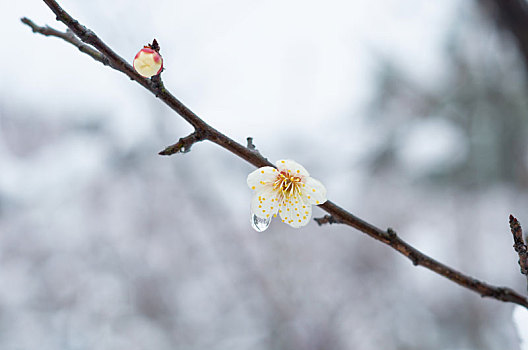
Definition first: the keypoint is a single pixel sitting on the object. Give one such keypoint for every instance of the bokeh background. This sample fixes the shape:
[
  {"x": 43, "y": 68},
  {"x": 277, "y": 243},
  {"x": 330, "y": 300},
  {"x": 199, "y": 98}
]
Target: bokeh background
[{"x": 412, "y": 113}]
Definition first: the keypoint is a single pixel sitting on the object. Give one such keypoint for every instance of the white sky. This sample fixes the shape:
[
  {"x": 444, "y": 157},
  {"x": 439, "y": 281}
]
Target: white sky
[{"x": 249, "y": 67}]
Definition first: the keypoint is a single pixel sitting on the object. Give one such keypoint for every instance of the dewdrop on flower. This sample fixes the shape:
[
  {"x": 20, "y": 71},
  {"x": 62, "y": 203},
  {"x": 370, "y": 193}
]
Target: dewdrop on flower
[
  {"x": 148, "y": 61},
  {"x": 288, "y": 191}
]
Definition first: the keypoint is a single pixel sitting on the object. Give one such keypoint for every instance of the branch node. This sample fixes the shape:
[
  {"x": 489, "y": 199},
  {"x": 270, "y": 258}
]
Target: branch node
[
  {"x": 88, "y": 36},
  {"x": 250, "y": 144},
  {"x": 157, "y": 85},
  {"x": 327, "y": 219},
  {"x": 184, "y": 144},
  {"x": 253, "y": 149},
  {"x": 414, "y": 259},
  {"x": 391, "y": 233}
]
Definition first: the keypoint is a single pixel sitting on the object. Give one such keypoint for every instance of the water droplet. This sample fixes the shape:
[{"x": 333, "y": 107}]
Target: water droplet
[{"x": 260, "y": 224}]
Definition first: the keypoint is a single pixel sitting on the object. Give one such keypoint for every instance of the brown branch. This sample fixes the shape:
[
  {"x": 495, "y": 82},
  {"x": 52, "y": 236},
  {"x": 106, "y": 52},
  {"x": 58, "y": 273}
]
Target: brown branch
[
  {"x": 183, "y": 145},
  {"x": 69, "y": 37},
  {"x": 209, "y": 133},
  {"x": 519, "y": 245},
  {"x": 418, "y": 258}
]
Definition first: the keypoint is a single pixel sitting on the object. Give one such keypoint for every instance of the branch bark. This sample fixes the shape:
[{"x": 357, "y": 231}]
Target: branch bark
[
  {"x": 156, "y": 87},
  {"x": 69, "y": 37},
  {"x": 183, "y": 145},
  {"x": 519, "y": 245}
]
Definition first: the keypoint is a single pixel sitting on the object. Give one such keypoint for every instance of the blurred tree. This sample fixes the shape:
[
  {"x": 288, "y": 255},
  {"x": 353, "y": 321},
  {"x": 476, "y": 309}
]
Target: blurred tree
[{"x": 482, "y": 97}]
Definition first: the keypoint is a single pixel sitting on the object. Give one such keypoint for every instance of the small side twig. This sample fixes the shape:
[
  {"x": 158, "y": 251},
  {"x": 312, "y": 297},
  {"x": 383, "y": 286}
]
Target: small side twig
[
  {"x": 250, "y": 144},
  {"x": 67, "y": 36},
  {"x": 252, "y": 148},
  {"x": 183, "y": 145},
  {"x": 327, "y": 219},
  {"x": 157, "y": 85},
  {"x": 391, "y": 232},
  {"x": 519, "y": 245}
]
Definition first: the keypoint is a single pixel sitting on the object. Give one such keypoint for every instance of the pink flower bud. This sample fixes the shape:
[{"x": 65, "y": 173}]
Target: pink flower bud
[{"x": 148, "y": 62}]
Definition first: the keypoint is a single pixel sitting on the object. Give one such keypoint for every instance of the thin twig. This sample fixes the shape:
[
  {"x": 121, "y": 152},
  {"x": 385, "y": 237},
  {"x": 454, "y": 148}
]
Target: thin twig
[
  {"x": 251, "y": 147},
  {"x": 69, "y": 37},
  {"x": 183, "y": 145},
  {"x": 339, "y": 214},
  {"x": 519, "y": 245},
  {"x": 250, "y": 144}
]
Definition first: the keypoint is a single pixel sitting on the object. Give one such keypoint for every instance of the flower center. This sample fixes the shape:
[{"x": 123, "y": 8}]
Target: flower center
[{"x": 287, "y": 185}]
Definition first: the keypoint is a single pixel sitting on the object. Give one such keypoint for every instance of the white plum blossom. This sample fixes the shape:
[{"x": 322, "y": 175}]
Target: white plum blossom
[{"x": 288, "y": 191}]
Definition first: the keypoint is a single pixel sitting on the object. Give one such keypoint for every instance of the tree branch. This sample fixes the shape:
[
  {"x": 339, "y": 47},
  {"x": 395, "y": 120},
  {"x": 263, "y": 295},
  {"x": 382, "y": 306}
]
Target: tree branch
[
  {"x": 250, "y": 155},
  {"x": 183, "y": 145},
  {"x": 69, "y": 37},
  {"x": 519, "y": 245}
]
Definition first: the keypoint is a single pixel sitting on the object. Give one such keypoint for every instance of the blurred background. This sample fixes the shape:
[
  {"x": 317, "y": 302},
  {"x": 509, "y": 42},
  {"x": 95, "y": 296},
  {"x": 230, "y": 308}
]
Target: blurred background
[{"x": 412, "y": 113}]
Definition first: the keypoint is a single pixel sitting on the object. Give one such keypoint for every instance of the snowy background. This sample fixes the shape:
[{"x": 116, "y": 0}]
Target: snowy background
[{"x": 412, "y": 113}]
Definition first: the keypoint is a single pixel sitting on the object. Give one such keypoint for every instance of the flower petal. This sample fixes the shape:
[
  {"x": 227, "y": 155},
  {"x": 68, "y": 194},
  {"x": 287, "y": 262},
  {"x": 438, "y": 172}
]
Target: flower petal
[
  {"x": 262, "y": 177},
  {"x": 314, "y": 191},
  {"x": 264, "y": 203},
  {"x": 292, "y": 166},
  {"x": 295, "y": 212}
]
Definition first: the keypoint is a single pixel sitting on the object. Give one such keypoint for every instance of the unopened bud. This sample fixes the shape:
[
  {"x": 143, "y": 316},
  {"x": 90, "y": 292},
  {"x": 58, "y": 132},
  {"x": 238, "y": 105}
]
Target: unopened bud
[{"x": 148, "y": 62}]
